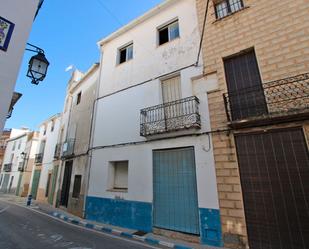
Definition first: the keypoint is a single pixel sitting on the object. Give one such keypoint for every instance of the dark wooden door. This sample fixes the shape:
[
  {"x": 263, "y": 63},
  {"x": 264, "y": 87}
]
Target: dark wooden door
[
  {"x": 274, "y": 171},
  {"x": 245, "y": 91},
  {"x": 65, "y": 191}
]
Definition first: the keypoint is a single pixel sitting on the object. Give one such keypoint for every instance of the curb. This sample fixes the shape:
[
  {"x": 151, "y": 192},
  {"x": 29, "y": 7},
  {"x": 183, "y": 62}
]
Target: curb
[{"x": 148, "y": 240}]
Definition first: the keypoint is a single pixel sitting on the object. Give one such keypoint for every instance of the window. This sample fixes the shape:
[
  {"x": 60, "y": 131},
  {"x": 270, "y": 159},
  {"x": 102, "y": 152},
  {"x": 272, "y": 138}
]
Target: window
[
  {"x": 19, "y": 144},
  {"x": 168, "y": 32},
  {"x": 52, "y": 126},
  {"x": 79, "y": 98},
  {"x": 42, "y": 147},
  {"x": 226, "y": 7},
  {"x": 119, "y": 175},
  {"x": 44, "y": 132},
  {"x": 14, "y": 145},
  {"x": 77, "y": 186},
  {"x": 125, "y": 53}
]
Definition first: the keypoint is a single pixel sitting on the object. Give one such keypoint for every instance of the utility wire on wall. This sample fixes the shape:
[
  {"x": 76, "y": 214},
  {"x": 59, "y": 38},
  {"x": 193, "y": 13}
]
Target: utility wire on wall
[{"x": 203, "y": 33}]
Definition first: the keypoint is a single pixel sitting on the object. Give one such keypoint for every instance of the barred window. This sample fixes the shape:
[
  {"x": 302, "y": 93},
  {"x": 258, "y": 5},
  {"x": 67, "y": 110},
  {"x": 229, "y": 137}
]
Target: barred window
[{"x": 225, "y": 7}]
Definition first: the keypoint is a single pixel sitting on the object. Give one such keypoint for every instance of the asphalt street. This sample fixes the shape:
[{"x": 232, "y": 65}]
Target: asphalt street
[{"x": 21, "y": 228}]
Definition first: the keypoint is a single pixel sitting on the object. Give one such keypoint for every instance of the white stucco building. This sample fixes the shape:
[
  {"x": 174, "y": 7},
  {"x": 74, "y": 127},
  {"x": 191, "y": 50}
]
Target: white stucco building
[
  {"x": 152, "y": 165},
  {"x": 15, "y": 162},
  {"x": 42, "y": 182},
  {"x": 16, "y": 18}
]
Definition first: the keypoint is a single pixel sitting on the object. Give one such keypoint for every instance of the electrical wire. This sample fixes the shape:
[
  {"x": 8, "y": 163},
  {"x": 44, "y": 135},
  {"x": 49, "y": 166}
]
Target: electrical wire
[{"x": 203, "y": 33}]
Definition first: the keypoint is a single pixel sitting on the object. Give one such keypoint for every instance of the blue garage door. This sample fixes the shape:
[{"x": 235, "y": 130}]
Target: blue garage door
[{"x": 175, "y": 191}]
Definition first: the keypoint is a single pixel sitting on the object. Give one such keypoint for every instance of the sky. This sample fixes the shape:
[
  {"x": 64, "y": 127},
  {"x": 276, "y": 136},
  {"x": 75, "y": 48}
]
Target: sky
[{"x": 68, "y": 31}]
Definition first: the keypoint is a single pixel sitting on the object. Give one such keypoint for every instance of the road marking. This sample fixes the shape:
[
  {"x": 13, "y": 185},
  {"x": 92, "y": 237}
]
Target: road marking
[
  {"x": 4, "y": 209},
  {"x": 56, "y": 237},
  {"x": 84, "y": 228}
]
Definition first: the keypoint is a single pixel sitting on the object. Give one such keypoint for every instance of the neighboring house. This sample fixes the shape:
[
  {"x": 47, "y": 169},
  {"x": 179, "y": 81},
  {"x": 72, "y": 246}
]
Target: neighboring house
[
  {"x": 28, "y": 164},
  {"x": 152, "y": 164},
  {"x": 15, "y": 28},
  {"x": 258, "y": 51},
  {"x": 74, "y": 139},
  {"x": 43, "y": 172},
  {"x": 13, "y": 161},
  {"x": 5, "y": 136}
]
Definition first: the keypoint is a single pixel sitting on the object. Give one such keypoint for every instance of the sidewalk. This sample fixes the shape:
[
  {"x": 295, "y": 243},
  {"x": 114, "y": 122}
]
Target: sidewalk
[{"x": 149, "y": 238}]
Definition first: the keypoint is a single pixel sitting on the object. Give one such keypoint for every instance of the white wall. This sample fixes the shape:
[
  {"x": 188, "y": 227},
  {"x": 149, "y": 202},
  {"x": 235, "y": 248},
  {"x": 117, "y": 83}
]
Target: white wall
[
  {"x": 149, "y": 59},
  {"x": 17, "y": 156},
  {"x": 51, "y": 138},
  {"x": 21, "y": 13},
  {"x": 141, "y": 171},
  {"x": 118, "y": 116}
]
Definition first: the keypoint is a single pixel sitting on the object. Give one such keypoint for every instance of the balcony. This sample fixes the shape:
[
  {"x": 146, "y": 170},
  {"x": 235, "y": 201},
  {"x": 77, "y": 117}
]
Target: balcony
[
  {"x": 38, "y": 158},
  {"x": 273, "y": 102},
  {"x": 178, "y": 115},
  {"x": 68, "y": 148},
  {"x": 21, "y": 166},
  {"x": 7, "y": 167},
  {"x": 57, "y": 153}
]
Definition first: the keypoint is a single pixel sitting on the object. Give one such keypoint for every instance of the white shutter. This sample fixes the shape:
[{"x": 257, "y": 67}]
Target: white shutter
[
  {"x": 121, "y": 175},
  {"x": 171, "y": 89}
]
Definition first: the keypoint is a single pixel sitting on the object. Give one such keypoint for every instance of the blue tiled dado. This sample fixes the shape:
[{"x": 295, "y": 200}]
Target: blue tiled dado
[
  {"x": 211, "y": 233},
  {"x": 128, "y": 214}
]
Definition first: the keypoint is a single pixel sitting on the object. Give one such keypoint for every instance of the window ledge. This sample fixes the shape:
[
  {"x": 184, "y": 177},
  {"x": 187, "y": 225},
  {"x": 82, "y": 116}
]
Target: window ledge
[
  {"x": 117, "y": 190},
  {"x": 231, "y": 14}
]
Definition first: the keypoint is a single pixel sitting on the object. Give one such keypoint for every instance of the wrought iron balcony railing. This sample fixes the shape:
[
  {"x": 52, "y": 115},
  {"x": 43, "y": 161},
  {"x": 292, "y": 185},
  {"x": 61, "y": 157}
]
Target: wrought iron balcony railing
[
  {"x": 68, "y": 148},
  {"x": 284, "y": 97},
  {"x": 7, "y": 167},
  {"x": 57, "y": 153},
  {"x": 173, "y": 116},
  {"x": 38, "y": 158}
]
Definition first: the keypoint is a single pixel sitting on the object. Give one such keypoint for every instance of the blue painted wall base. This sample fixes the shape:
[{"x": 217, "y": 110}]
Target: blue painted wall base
[
  {"x": 128, "y": 214},
  {"x": 138, "y": 215},
  {"x": 211, "y": 233}
]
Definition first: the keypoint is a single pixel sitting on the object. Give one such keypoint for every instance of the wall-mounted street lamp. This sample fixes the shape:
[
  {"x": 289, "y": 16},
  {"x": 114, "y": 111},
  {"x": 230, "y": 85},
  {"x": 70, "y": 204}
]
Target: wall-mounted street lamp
[{"x": 38, "y": 65}]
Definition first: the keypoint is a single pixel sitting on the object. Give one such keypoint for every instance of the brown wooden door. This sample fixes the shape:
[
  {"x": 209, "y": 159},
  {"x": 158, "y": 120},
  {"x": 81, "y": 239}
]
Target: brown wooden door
[
  {"x": 246, "y": 94},
  {"x": 274, "y": 171}
]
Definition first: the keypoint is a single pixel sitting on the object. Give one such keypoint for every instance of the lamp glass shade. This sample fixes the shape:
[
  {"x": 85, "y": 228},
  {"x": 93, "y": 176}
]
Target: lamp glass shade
[{"x": 37, "y": 68}]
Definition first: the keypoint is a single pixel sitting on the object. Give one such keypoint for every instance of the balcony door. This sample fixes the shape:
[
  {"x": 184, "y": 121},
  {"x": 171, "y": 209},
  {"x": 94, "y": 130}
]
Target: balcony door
[
  {"x": 245, "y": 90},
  {"x": 171, "y": 91}
]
